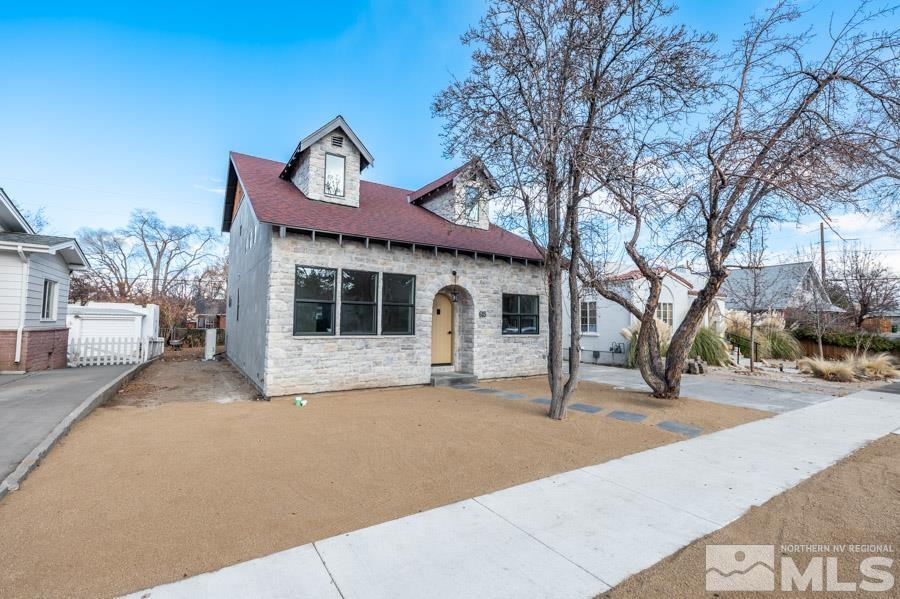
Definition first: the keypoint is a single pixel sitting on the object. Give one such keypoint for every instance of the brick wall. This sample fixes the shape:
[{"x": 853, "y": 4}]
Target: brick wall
[{"x": 41, "y": 350}]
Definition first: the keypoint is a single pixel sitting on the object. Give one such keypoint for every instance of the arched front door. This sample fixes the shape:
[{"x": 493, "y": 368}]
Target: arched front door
[{"x": 442, "y": 331}]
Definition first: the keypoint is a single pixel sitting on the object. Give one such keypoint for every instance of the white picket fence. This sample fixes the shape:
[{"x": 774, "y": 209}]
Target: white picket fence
[{"x": 107, "y": 351}]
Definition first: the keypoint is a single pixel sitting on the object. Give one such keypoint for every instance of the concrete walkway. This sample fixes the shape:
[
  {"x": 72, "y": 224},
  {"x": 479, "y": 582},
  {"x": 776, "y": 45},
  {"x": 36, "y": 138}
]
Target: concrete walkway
[
  {"x": 745, "y": 395},
  {"x": 33, "y": 404},
  {"x": 575, "y": 534}
]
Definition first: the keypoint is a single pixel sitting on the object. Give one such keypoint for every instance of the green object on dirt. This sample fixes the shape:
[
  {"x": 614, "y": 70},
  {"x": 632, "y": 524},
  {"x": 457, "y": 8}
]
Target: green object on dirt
[{"x": 299, "y": 402}]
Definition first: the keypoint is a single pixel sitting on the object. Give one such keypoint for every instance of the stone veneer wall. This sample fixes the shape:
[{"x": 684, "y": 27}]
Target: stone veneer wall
[
  {"x": 309, "y": 176},
  {"x": 450, "y": 203},
  {"x": 311, "y": 364}
]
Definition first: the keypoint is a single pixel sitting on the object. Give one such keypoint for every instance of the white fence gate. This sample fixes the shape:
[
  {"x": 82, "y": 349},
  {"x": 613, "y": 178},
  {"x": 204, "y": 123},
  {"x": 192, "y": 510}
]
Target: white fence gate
[{"x": 106, "y": 351}]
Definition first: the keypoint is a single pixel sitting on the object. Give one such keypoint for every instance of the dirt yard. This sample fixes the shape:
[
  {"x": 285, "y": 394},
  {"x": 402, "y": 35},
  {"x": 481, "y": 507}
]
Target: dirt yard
[
  {"x": 856, "y": 501},
  {"x": 151, "y": 489}
]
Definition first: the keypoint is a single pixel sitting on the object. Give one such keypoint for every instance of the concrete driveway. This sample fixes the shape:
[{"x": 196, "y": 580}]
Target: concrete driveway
[
  {"x": 31, "y": 405},
  {"x": 746, "y": 395}
]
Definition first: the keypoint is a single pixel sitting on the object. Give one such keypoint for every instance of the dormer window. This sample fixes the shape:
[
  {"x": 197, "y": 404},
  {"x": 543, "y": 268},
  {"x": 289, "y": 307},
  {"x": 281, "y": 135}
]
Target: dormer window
[
  {"x": 472, "y": 208},
  {"x": 334, "y": 175}
]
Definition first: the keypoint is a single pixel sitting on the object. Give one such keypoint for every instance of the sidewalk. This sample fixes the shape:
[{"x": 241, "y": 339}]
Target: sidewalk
[{"x": 575, "y": 534}]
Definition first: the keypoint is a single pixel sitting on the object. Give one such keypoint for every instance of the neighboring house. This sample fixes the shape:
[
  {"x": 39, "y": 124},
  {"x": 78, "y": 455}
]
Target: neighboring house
[
  {"x": 603, "y": 320},
  {"x": 339, "y": 283},
  {"x": 210, "y": 314},
  {"x": 112, "y": 320},
  {"x": 34, "y": 288},
  {"x": 781, "y": 288}
]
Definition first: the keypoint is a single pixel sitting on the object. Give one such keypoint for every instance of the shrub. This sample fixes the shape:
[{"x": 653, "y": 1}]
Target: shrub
[
  {"x": 880, "y": 366},
  {"x": 631, "y": 334},
  {"x": 830, "y": 370},
  {"x": 782, "y": 344},
  {"x": 709, "y": 347},
  {"x": 850, "y": 339}
]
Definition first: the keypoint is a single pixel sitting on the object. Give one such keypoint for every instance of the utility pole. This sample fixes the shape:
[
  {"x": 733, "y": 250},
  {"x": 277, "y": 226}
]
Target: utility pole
[{"x": 822, "y": 248}]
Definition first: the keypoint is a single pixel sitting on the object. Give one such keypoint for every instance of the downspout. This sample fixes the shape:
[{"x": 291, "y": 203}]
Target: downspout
[{"x": 23, "y": 297}]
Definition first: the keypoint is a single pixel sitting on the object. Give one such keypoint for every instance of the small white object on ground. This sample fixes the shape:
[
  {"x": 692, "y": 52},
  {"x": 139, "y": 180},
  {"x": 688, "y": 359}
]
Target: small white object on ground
[
  {"x": 209, "y": 346},
  {"x": 299, "y": 401}
]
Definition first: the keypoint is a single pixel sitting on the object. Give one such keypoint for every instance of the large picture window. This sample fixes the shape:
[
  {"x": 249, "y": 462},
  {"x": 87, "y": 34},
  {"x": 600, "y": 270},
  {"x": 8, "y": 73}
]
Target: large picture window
[
  {"x": 520, "y": 314},
  {"x": 314, "y": 293},
  {"x": 398, "y": 304},
  {"x": 334, "y": 175},
  {"x": 358, "y": 293},
  {"x": 588, "y": 317}
]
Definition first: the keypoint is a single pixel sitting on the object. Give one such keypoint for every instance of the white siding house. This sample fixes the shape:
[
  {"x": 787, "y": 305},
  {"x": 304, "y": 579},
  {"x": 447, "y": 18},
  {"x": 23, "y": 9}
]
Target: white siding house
[
  {"x": 603, "y": 320},
  {"x": 34, "y": 287}
]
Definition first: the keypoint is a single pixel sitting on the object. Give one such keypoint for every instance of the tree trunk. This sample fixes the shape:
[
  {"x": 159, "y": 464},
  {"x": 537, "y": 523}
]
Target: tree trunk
[
  {"x": 559, "y": 408},
  {"x": 683, "y": 338},
  {"x": 752, "y": 339},
  {"x": 554, "y": 352}
]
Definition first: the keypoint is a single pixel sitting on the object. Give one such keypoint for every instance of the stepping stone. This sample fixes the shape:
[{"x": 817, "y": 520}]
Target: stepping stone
[
  {"x": 583, "y": 407},
  {"x": 464, "y": 387},
  {"x": 542, "y": 400},
  {"x": 680, "y": 429},
  {"x": 485, "y": 390},
  {"x": 508, "y": 395},
  {"x": 627, "y": 416}
]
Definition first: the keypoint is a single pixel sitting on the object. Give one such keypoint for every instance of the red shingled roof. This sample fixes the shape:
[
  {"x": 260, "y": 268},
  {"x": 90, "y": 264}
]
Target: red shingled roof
[
  {"x": 383, "y": 213},
  {"x": 437, "y": 183}
]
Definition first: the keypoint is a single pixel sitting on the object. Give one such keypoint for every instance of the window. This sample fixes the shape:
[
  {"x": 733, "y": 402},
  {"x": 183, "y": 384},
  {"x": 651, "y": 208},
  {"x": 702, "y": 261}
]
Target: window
[
  {"x": 334, "y": 175},
  {"x": 520, "y": 314},
  {"x": 472, "y": 208},
  {"x": 358, "y": 289},
  {"x": 398, "y": 304},
  {"x": 314, "y": 301},
  {"x": 588, "y": 317},
  {"x": 664, "y": 313},
  {"x": 48, "y": 301}
]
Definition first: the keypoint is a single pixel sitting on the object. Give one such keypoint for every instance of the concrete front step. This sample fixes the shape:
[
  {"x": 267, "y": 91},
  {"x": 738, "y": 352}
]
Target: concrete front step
[{"x": 451, "y": 379}]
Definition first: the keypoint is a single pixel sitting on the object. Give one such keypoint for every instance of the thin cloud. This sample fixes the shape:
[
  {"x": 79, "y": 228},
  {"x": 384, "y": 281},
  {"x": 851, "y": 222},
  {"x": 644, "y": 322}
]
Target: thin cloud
[{"x": 215, "y": 190}]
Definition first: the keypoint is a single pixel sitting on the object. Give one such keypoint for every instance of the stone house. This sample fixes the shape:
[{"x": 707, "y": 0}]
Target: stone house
[
  {"x": 34, "y": 289},
  {"x": 339, "y": 283}
]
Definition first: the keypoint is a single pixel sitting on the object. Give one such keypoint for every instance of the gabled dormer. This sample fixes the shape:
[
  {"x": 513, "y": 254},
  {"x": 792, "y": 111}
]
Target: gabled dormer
[
  {"x": 327, "y": 163},
  {"x": 461, "y": 196}
]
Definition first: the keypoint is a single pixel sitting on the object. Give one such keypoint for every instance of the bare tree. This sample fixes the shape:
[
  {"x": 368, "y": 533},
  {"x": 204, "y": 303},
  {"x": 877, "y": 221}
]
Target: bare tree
[
  {"x": 752, "y": 292},
  {"x": 551, "y": 82},
  {"x": 864, "y": 285},
  {"x": 117, "y": 269},
  {"x": 789, "y": 134},
  {"x": 170, "y": 251}
]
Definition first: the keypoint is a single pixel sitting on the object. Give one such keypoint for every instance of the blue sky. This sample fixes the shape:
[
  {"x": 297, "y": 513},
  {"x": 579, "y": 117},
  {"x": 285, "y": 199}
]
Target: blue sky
[{"x": 107, "y": 107}]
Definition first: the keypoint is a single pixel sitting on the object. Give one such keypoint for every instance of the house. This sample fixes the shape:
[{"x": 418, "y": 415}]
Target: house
[
  {"x": 782, "y": 288},
  {"x": 603, "y": 320},
  {"x": 112, "y": 320},
  {"x": 34, "y": 288},
  {"x": 210, "y": 314},
  {"x": 339, "y": 283}
]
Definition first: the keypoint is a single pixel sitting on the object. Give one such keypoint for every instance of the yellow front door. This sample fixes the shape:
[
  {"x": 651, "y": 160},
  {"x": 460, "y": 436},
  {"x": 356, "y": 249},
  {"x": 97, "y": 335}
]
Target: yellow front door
[{"x": 442, "y": 330}]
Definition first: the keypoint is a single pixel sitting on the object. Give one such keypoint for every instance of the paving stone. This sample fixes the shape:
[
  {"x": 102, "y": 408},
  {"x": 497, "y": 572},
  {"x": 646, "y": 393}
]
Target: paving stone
[
  {"x": 542, "y": 400},
  {"x": 485, "y": 390},
  {"x": 464, "y": 387},
  {"x": 627, "y": 416},
  {"x": 508, "y": 395},
  {"x": 583, "y": 407},
  {"x": 680, "y": 429}
]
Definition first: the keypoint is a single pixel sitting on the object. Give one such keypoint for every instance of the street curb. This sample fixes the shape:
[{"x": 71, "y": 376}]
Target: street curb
[{"x": 11, "y": 482}]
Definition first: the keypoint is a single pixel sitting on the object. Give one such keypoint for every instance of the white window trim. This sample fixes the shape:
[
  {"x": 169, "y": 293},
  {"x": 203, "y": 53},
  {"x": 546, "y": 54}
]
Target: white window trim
[
  {"x": 594, "y": 333},
  {"x": 54, "y": 300}
]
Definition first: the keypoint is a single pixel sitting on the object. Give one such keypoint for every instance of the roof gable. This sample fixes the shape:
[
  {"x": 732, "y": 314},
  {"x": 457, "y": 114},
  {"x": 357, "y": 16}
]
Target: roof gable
[
  {"x": 337, "y": 122},
  {"x": 10, "y": 218},
  {"x": 426, "y": 190}
]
